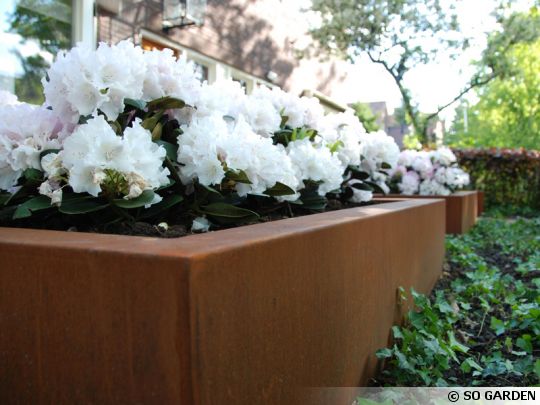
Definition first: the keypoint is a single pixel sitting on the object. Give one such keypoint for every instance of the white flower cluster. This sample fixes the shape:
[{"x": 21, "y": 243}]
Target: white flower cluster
[
  {"x": 25, "y": 131},
  {"x": 428, "y": 172},
  {"x": 83, "y": 81},
  {"x": 224, "y": 133}
]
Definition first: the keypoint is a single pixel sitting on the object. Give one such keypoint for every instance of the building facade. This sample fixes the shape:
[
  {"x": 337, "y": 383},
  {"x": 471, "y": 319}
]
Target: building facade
[{"x": 256, "y": 42}]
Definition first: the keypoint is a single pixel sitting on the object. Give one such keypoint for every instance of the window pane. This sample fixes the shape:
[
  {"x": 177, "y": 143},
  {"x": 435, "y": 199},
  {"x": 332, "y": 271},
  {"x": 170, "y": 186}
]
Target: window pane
[
  {"x": 31, "y": 34},
  {"x": 242, "y": 82}
]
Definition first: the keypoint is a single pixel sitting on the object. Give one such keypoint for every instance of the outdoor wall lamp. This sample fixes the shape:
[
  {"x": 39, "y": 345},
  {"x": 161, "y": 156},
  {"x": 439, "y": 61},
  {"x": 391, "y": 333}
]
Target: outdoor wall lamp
[{"x": 182, "y": 13}]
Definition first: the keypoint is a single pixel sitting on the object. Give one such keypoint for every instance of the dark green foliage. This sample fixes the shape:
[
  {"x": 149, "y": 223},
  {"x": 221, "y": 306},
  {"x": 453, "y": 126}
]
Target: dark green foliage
[
  {"x": 481, "y": 326},
  {"x": 508, "y": 177}
]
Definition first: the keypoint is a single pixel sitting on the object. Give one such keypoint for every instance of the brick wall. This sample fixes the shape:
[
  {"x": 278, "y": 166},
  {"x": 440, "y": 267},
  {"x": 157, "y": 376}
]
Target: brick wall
[{"x": 254, "y": 36}]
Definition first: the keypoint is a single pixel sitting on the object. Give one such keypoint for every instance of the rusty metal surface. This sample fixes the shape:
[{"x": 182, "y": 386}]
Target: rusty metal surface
[
  {"x": 480, "y": 198},
  {"x": 241, "y": 316},
  {"x": 461, "y": 209}
]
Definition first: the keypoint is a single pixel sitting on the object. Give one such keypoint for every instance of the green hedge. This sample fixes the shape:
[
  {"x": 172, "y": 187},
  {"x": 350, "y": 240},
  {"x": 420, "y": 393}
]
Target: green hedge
[{"x": 508, "y": 177}]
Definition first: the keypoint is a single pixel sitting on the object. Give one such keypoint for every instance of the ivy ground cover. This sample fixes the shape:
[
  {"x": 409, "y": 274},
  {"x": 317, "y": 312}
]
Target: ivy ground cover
[{"x": 481, "y": 324}]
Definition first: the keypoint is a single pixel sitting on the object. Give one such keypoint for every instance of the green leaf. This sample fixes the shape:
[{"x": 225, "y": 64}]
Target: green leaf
[
  {"x": 238, "y": 176},
  {"x": 279, "y": 189},
  {"x": 358, "y": 174},
  {"x": 146, "y": 197},
  {"x": 75, "y": 204},
  {"x": 376, "y": 188},
  {"x": 4, "y": 198},
  {"x": 170, "y": 149},
  {"x": 229, "y": 212},
  {"x": 33, "y": 174},
  {"x": 525, "y": 343},
  {"x": 468, "y": 364},
  {"x": 157, "y": 131},
  {"x": 397, "y": 332},
  {"x": 497, "y": 325},
  {"x": 384, "y": 353},
  {"x": 385, "y": 165},
  {"x": 46, "y": 152},
  {"x": 165, "y": 103},
  {"x": 26, "y": 209},
  {"x": 151, "y": 122},
  {"x": 361, "y": 186},
  {"x": 165, "y": 204},
  {"x": 139, "y": 104},
  {"x": 455, "y": 345}
]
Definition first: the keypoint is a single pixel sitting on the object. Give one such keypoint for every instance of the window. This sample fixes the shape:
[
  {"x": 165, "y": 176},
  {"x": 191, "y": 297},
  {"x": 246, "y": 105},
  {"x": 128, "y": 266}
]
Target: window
[
  {"x": 206, "y": 68},
  {"x": 201, "y": 71},
  {"x": 149, "y": 45},
  {"x": 243, "y": 83},
  {"x": 31, "y": 34}
]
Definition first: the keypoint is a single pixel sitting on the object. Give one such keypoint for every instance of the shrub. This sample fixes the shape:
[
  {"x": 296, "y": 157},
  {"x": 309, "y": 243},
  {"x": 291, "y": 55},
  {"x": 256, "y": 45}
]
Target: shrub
[{"x": 508, "y": 177}]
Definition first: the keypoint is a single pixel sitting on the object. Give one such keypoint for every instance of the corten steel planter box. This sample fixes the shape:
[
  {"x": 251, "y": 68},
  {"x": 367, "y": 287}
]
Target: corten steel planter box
[
  {"x": 461, "y": 209},
  {"x": 480, "y": 198},
  {"x": 242, "y": 316}
]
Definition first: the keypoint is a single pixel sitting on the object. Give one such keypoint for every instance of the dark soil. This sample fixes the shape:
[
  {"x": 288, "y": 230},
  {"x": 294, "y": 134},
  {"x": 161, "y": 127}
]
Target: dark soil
[{"x": 176, "y": 225}]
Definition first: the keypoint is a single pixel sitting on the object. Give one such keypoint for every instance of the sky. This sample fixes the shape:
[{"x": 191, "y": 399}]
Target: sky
[{"x": 434, "y": 84}]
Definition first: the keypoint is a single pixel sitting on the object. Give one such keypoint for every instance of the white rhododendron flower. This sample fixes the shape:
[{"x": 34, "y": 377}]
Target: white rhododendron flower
[
  {"x": 443, "y": 156},
  {"x": 316, "y": 164},
  {"x": 409, "y": 183},
  {"x": 25, "y": 132},
  {"x": 264, "y": 164},
  {"x": 199, "y": 150},
  {"x": 167, "y": 76},
  {"x": 94, "y": 154},
  {"x": 210, "y": 144},
  {"x": 7, "y": 98},
  {"x": 83, "y": 81},
  {"x": 423, "y": 165},
  {"x": 428, "y": 173},
  {"x": 300, "y": 111},
  {"x": 224, "y": 97},
  {"x": 343, "y": 130},
  {"x": 433, "y": 187}
]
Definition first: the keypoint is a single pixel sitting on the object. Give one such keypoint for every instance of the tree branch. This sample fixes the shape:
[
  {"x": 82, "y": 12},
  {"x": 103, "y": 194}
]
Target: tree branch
[{"x": 472, "y": 85}]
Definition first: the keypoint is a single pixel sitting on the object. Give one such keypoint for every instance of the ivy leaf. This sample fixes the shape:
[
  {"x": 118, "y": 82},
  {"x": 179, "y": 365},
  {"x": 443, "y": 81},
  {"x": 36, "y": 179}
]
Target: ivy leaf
[
  {"x": 26, "y": 209},
  {"x": 165, "y": 103},
  {"x": 384, "y": 353},
  {"x": 279, "y": 189},
  {"x": 468, "y": 364},
  {"x": 497, "y": 325},
  {"x": 76, "y": 204},
  {"x": 146, "y": 197}
]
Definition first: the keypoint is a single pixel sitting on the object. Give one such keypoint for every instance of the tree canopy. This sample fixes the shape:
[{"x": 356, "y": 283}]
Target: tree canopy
[
  {"x": 402, "y": 34},
  {"x": 508, "y": 111}
]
